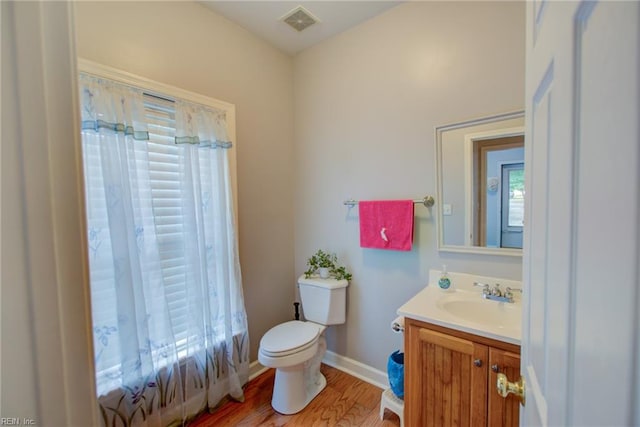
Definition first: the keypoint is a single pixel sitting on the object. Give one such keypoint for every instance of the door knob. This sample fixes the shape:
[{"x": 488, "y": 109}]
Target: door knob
[{"x": 505, "y": 387}]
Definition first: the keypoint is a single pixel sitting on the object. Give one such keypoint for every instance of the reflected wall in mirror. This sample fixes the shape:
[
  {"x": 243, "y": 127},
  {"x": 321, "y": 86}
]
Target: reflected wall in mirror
[{"x": 480, "y": 174}]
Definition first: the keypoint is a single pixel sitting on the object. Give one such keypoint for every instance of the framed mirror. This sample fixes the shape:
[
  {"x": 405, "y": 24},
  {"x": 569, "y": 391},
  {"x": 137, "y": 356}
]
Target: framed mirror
[{"x": 480, "y": 185}]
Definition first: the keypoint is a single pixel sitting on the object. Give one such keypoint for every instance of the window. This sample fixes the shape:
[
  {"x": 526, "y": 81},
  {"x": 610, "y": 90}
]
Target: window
[
  {"x": 512, "y": 205},
  {"x": 164, "y": 268},
  {"x": 166, "y": 197}
]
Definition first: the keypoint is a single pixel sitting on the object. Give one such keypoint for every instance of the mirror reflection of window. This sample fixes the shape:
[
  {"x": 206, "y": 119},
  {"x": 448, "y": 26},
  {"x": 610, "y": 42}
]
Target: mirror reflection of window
[{"x": 512, "y": 209}]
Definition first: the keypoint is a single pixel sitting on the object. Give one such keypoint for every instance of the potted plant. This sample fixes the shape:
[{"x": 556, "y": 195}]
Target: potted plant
[{"x": 326, "y": 265}]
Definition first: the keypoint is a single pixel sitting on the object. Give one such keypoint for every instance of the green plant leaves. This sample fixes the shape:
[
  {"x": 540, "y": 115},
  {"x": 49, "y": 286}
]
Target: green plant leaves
[{"x": 322, "y": 259}]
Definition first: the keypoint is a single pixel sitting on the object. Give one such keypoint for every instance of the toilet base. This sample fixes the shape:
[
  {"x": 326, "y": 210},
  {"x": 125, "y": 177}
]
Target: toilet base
[
  {"x": 294, "y": 396},
  {"x": 296, "y": 386}
]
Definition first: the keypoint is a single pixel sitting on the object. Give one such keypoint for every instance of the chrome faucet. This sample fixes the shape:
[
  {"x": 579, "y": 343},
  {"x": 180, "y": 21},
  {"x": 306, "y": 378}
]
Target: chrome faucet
[
  {"x": 496, "y": 293},
  {"x": 485, "y": 288}
]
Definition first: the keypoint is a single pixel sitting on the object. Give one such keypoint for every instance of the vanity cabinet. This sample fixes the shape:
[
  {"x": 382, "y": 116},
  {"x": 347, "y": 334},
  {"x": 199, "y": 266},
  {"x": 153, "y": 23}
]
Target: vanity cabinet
[{"x": 450, "y": 378}]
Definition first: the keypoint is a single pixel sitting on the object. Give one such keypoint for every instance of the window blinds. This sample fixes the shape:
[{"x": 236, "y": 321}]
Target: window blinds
[{"x": 166, "y": 191}]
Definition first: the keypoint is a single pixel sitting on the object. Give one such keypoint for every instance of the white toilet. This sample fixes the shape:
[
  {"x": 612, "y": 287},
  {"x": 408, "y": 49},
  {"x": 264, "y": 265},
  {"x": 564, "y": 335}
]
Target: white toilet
[{"x": 295, "y": 349}]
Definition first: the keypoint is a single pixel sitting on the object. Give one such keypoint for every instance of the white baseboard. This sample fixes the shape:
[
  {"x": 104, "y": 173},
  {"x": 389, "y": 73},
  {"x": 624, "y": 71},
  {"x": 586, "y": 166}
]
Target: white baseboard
[
  {"x": 357, "y": 369},
  {"x": 256, "y": 369},
  {"x": 343, "y": 363}
]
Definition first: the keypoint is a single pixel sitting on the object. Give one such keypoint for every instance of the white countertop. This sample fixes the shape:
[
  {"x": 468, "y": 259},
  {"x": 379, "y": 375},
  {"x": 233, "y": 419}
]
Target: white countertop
[{"x": 463, "y": 308}]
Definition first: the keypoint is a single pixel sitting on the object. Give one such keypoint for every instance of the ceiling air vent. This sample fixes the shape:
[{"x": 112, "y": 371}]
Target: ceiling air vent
[{"x": 299, "y": 18}]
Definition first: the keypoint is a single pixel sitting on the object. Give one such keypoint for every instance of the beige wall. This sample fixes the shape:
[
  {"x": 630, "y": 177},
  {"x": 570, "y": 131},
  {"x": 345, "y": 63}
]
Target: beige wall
[
  {"x": 366, "y": 105},
  {"x": 186, "y": 45}
]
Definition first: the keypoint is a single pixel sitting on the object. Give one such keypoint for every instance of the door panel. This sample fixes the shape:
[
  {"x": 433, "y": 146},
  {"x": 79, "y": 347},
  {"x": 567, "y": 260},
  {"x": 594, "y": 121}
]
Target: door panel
[
  {"x": 457, "y": 390},
  {"x": 536, "y": 245},
  {"x": 452, "y": 390},
  {"x": 606, "y": 168},
  {"x": 581, "y": 218}
]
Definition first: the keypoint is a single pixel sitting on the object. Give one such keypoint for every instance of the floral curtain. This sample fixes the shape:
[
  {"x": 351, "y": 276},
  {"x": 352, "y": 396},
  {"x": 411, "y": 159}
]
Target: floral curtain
[{"x": 170, "y": 328}]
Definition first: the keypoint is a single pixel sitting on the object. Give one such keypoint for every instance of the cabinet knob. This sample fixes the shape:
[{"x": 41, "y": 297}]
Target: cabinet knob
[
  {"x": 477, "y": 363},
  {"x": 495, "y": 368}
]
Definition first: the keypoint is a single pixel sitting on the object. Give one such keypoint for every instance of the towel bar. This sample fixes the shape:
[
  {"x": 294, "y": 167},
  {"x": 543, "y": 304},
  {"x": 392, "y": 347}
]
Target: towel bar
[{"x": 427, "y": 201}]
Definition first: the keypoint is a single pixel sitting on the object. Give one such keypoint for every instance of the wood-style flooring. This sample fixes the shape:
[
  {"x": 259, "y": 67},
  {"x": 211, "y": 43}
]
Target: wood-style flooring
[{"x": 346, "y": 401}]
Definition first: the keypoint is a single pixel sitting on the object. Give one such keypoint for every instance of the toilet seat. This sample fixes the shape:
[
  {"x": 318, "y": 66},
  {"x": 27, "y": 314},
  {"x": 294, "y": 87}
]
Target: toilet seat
[{"x": 289, "y": 338}]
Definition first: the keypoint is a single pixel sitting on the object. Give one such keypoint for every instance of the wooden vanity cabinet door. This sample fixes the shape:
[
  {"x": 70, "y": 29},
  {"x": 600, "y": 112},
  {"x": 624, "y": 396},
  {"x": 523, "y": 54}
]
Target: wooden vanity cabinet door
[
  {"x": 503, "y": 412},
  {"x": 444, "y": 385}
]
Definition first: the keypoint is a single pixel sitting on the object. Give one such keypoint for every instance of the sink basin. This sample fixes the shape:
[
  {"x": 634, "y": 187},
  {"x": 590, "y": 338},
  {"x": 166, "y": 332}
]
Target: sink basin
[
  {"x": 464, "y": 309},
  {"x": 489, "y": 313}
]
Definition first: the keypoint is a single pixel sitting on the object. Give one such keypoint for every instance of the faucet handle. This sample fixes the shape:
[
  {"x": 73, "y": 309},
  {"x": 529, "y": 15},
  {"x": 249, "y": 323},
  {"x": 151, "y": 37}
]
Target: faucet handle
[
  {"x": 485, "y": 287},
  {"x": 509, "y": 292}
]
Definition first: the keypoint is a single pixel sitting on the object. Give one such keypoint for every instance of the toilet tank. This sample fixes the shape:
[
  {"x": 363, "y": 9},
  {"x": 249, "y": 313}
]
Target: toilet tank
[{"x": 324, "y": 301}]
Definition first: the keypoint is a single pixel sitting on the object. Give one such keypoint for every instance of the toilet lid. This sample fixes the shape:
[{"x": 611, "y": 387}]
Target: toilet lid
[{"x": 289, "y": 336}]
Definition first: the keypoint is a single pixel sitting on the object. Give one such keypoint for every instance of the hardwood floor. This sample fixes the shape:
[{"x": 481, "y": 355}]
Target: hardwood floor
[{"x": 346, "y": 401}]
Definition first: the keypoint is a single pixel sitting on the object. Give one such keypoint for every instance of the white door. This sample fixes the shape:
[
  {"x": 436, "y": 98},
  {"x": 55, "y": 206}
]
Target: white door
[{"x": 580, "y": 348}]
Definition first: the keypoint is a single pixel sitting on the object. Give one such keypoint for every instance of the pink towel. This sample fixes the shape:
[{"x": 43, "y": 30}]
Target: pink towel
[{"x": 386, "y": 224}]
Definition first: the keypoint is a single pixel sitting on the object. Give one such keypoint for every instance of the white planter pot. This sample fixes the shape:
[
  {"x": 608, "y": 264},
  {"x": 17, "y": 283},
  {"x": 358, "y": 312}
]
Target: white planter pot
[{"x": 324, "y": 272}]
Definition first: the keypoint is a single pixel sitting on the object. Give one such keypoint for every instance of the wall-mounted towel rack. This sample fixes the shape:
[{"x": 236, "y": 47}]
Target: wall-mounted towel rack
[{"x": 427, "y": 201}]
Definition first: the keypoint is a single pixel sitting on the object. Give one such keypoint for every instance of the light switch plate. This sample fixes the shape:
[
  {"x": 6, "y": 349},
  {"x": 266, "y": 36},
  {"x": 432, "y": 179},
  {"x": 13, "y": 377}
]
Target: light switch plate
[{"x": 446, "y": 209}]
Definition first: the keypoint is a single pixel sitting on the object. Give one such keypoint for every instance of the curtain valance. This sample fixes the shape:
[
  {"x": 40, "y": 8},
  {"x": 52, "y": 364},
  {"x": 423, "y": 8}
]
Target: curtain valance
[
  {"x": 108, "y": 105},
  {"x": 111, "y": 106}
]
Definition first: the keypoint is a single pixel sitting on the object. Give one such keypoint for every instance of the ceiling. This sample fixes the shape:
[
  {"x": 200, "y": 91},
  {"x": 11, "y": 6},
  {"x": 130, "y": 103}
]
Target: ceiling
[{"x": 264, "y": 19}]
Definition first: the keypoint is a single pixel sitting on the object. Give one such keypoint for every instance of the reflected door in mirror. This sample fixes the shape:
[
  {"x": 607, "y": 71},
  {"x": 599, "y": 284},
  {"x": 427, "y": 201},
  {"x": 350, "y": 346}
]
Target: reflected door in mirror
[{"x": 498, "y": 165}]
